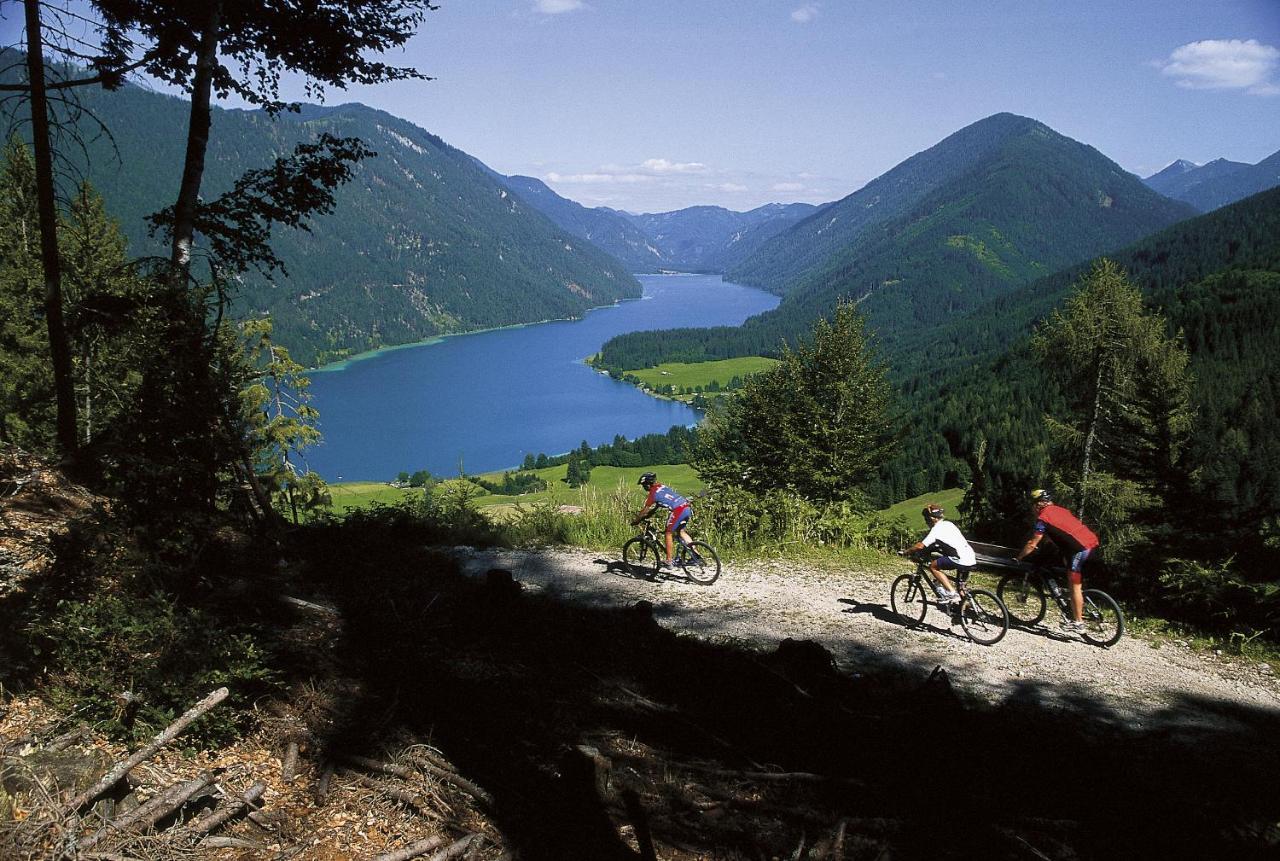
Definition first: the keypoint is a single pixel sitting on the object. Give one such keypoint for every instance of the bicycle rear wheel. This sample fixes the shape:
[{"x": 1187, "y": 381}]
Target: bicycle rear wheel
[
  {"x": 699, "y": 562},
  {"x": 639, "y": 553},
  {"x": 1103, "y": 621},
  {"x": 909, "y": 598},
  {"x": 984, "y": 617},
  {"x": 1023, "y": 597}
]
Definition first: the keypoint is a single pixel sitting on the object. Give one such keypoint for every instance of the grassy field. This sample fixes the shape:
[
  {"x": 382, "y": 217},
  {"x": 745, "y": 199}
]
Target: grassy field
[
  {"x": 910, "y": 508},
  {"x": 691, "y": 375},
  {"x": 603, "y": 478}
]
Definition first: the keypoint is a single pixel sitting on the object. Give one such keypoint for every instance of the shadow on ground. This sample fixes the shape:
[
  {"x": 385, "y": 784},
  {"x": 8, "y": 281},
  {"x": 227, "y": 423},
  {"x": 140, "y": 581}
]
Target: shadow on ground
[
  {"x": 889, "y": 761},
  {"x": 592, "y": 727}
]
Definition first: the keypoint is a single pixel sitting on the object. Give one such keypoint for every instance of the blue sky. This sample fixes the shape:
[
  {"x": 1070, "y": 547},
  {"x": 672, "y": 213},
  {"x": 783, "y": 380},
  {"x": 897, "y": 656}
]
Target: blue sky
[{"x": 650, "y": 105}]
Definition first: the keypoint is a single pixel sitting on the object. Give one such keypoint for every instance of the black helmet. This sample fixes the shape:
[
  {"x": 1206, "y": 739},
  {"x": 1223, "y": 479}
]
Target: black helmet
[
  {"x": 647, "y": 479},
  {"x": 1040, "y": 494},
  {"x": 933, "y": 511}
]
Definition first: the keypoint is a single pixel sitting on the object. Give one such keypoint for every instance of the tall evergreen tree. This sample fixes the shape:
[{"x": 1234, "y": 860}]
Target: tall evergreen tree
[
  {"x": 26, "y": 384},
  {"x": 1128, "y": 390},
  {"x": 820, "y": 422}
]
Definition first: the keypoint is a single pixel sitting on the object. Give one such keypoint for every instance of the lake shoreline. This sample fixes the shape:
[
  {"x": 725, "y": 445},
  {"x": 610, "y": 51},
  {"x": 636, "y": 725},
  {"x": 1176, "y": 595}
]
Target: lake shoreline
[{"x": 342, "y": 364}]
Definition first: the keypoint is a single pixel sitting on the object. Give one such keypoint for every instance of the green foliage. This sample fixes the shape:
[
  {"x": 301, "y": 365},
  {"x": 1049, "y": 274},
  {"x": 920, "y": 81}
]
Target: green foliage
[
  {"x": 1215, "y": 591},
  {"x": 26, "y": 381},
  {"x": 281, "y": 422},
  {"x": 131, "y": 663},
  {"x": 818, "y": 423}
]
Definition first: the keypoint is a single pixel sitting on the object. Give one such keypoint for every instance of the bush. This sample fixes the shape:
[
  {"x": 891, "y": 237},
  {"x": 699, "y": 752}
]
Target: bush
[{"x": 133, "y": 662}]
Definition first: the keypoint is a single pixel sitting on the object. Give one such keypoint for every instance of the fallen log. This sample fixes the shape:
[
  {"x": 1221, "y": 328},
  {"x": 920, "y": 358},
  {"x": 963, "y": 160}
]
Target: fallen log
[
  {"x": 454, "y": 850},
  {"x": 322, "y": 787},
  {"x": 289, "y": 767},
  {"x": 221, "y": 842},
  {"x": 405, "y": 797},
  {"x": 425, "y": 764},
  {"x": 148, "y": 814},
  {"x": 167, "y": 735},
  {"x": 217, "y": 817}
]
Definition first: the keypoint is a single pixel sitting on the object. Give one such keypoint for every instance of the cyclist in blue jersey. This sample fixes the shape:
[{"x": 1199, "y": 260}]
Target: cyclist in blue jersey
[{"x": 661, "y": 496}]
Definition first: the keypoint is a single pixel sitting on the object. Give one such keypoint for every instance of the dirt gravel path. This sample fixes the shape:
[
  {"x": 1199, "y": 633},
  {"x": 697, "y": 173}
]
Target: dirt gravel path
[{"x": 1138, "y": 682}]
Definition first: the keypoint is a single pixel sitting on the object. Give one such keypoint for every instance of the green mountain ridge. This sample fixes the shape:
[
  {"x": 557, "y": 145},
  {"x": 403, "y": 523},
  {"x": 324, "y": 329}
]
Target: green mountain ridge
[
  {"x": 1012, "y": 201},
  {"x": 422, "y": 242}
]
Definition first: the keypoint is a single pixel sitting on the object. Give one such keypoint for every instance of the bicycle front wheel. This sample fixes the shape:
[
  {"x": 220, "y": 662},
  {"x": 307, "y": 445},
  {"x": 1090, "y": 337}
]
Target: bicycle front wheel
[
  {"x": 700, "y": 563},
  {"x": 1023, "y": 597},
  {"x": 908, "y": 598},
  {"x": 640, "y": 553},
  {"x": 984, "y": 617},
  {"x": 1103, "y": 621}
]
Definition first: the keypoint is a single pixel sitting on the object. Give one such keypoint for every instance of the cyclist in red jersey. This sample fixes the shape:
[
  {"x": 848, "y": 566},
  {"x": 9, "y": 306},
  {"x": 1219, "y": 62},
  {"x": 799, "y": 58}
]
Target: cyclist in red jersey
[
  {"x": 1077, "y": 541},
  {"x": 662, "y": 496}
]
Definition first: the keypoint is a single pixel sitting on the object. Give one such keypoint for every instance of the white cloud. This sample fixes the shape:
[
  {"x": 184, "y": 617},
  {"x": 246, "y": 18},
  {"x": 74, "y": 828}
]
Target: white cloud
[
  {"x": 805, "y": 13},
  {"x": 662, "y": 165},
  {"x": 1224, "y": 64},
  {"x": 596, "y": 178},
  {"x": 788, "y": 186},
  {"x": 732, "y": 187},
  {"x": 557, "y": 7}
]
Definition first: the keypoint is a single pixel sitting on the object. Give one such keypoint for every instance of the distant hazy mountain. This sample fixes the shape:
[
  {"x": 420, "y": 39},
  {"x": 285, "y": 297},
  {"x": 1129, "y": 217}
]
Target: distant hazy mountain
[
  {"x": 1181, "y": 177},
  {"x": 994, "y": 206},
  {"x": 608, "y": 230},
  {"x": 423, "y": 241},
  {"x": 712, "y": 238},
  {"x": 699, "y": 238},
  {"x": 1219, "y": 182}
]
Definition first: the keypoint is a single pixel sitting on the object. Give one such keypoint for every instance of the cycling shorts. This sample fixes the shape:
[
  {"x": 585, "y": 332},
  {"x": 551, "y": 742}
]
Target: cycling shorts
[
  {"x": 1077, "y": 566},
  {"x": 946, "y": 563},
  {"x": 679, "y": 517}
]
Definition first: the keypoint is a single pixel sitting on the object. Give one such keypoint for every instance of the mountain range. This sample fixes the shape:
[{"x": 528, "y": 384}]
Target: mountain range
[
  {"x": 994, "y": 206},
  {"x": 695, "y": 239},
  {"x": 422, "y": 242},
  {"x": 1217, "y": 183}
]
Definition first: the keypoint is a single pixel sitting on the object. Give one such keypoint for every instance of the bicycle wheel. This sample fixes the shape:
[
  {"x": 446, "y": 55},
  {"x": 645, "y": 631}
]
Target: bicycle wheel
[
  {"x": 984, "y": 617},
  {"x": 639, "y": 553},
  {"x": 1023, "y": 597},
  {"x": 1103, "y": 621},
  {"x": 702, "y": 565},
  {"x": 908, "y": 598}
]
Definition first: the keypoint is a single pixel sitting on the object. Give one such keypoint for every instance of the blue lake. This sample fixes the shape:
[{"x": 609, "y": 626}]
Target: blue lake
[{"x": 482, "y": 401}]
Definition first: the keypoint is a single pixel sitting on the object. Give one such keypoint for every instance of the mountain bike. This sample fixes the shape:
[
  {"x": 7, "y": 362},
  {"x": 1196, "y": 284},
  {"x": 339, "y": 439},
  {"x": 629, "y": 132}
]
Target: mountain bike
[
  {"x": 698, "y": 560},
  {"x": 1026, "y": 594},
  {"x": 981, "y": 612}
]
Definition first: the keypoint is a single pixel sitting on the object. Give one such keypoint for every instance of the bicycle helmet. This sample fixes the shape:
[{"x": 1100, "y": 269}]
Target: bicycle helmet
[
  {"x": 647, "y": 480},
  {"x": 933, "y": 511},
  {"x": 1040, "y": 494}
]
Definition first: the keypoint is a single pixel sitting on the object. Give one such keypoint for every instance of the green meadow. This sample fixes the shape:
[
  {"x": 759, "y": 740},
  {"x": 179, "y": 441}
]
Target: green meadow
[
  {"x": 603, "y": 478},
  {"x": 691, "y": 375}
]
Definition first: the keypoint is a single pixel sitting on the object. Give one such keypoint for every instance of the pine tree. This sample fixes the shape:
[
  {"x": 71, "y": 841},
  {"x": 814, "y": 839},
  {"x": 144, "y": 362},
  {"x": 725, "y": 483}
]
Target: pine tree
[
  {"x": 818, "y": 423},
  {"x": 1128, "y": 389},
  {"x": 26, "y": 383},
  {"x": 282, "y": 421}
]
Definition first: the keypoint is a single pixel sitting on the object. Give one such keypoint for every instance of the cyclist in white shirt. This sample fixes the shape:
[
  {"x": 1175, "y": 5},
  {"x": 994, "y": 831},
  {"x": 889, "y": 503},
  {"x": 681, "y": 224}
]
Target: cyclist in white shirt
[{"x": 945, "y": 538}]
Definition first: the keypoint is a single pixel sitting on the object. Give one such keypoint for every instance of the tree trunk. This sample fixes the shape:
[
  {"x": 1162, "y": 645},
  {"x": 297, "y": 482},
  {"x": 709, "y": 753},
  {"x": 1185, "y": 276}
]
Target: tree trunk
[
  {"x": 184, "y": 209},
  {"x": 1090, "y": 438},
  {"x": 59, "y": 345}
]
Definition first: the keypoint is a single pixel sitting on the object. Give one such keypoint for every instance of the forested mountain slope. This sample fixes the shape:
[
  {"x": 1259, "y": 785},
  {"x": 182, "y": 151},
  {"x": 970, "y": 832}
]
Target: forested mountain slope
[
  {"x": 422, "y": 241},
  {"x": 1216, "y": 278},
  {"x": 610, "y": 231},
  {"x": 1217, "y": 183},
  {"x": 1019, "y": 201}
]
